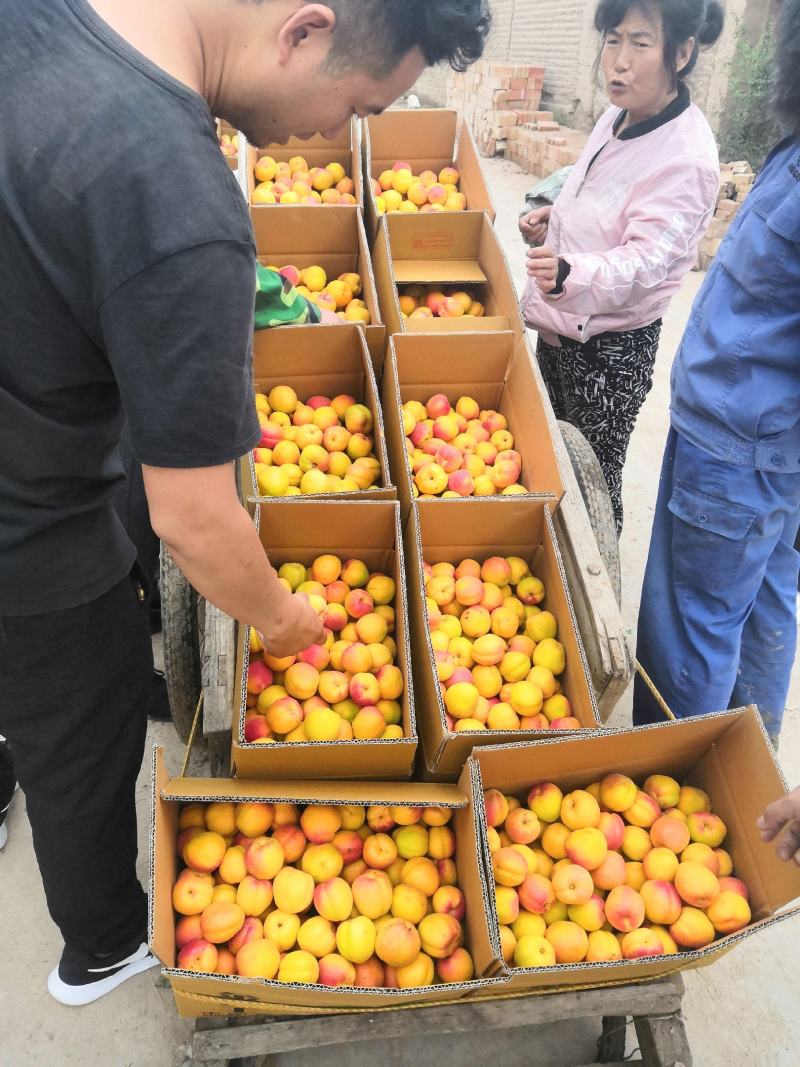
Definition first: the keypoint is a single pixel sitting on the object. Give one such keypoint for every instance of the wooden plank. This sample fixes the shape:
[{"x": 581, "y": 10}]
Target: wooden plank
[
  {"x": 218, "y": 660},
  {"x": 294, "y": 1034},
  {"x": 663, "y": 1041},
  {"x": 599, "y": 617}
]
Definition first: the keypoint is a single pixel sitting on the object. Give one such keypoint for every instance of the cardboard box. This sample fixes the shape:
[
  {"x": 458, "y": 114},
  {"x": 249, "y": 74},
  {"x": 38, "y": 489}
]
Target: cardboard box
[
  {"x": 325, "y": 360},
  {"x": 226, "y": 128},
  {"x": 218, "y": 993},
  {"x": 428, "y": 140},
  {"x": 477, "y": 529},
  {"x": 298, "y": 532},
  {"x": 318, "y": 151},
  {"x": 335, "y": 241},
  {"x": 493, "y": 368},
  {"x": 728, "y": 755},
  {"x": 445, "y": 250}
]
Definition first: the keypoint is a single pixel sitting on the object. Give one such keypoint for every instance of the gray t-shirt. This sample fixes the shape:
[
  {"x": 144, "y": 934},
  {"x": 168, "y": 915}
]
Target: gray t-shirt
[{"x": 127, "y": 288}]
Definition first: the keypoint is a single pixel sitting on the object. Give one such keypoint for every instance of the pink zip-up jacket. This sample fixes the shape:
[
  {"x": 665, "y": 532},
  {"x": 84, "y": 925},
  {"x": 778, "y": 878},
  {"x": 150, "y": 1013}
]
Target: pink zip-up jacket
[{"x": 628, "y": 223}]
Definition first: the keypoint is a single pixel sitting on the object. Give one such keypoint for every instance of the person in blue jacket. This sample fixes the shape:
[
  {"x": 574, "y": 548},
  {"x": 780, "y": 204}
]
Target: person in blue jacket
[{"x": 718, "y": 625}]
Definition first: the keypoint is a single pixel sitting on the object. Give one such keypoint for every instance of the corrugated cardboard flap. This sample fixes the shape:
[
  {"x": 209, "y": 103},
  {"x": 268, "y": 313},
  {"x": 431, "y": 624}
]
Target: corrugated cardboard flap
[
  {"x": 447, "y": 271},
  {"x": 396, "y": 794}
]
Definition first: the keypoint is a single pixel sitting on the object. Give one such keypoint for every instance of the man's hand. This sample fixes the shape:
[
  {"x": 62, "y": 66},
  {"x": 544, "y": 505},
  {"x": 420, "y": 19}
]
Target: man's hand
[
  {"x": 543, "y": 268},
  {"x": 783, "y": 815},
  {"x": 329, "y": 318},
  {"x": 533, "y": 226},
  {"x": 296, "y": 627}
]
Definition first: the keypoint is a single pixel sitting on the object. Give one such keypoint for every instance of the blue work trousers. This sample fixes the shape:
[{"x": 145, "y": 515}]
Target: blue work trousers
[{"x": 718, "y": 619}]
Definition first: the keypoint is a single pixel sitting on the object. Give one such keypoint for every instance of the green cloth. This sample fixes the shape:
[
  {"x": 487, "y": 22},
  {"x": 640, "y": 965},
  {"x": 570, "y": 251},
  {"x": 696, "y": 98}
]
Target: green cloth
[{"x": 279, "y": 304}]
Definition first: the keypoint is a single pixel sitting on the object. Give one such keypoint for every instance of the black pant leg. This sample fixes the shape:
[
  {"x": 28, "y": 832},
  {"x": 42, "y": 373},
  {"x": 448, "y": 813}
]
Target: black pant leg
[
  {"x": 8, "y": 780},
  {"x": 549, "y": 359},
  {"x": 73, "y": 705}
]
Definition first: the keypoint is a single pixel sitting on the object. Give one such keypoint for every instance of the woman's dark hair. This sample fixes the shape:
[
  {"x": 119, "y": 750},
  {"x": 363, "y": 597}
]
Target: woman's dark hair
[
  {"x": 682, "y": 19},
  {"x": 787, "y": 74}
]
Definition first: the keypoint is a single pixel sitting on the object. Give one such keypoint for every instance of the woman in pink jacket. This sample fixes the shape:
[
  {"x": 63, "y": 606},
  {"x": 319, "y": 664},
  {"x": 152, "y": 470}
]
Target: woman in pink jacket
[{"x": 625, "y": 229}]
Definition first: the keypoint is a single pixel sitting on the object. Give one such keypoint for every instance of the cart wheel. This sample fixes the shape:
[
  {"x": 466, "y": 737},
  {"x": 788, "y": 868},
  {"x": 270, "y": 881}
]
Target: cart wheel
[
  {"x": 597, "y": 499},
  {"x": 180, "y": 625},
  {"x": 611, "y": 1043}
]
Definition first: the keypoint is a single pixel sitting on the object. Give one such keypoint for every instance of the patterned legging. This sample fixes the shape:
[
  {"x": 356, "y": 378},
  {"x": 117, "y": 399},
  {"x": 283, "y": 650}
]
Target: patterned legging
[{"x": 600, "y": 387}]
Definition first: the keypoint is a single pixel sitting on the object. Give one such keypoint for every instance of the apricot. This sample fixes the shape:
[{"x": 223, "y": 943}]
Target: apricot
[
  {"x": 254, "y": 895},
  {"x": 322, "y": 862},
  {"x": 204, "y": 852},
  {"x": 572, "y": 884},
  {"x": 233, "y": 868},
  {"x": 221, "y": 921},
  {"x": 440, "y": 935},
  {"x": 317, "y": 935},
  {"x": 373, "y": 894},
  {"x": 611, "y": 872},
  {"x": 579, "y": 809},
  {"x": 643, "y": 812},
  {"x": 586, "y": 847},
  {"x": 199, "y": 957},
  {"x": 696, "y": 884},
  {"x": 618, "y": 792},
  {"x": 192, "y": 893},
  {"x": 729, "y": 912},
  {"x": 570, "y": 942},
  {"x": 603, "y": 947},
  {"x": 641, "y": 944},
  {"x": 320, "y": 823},
  {"x": 662, "y": 903},
  {"x": 293, "y": 890},
  {"x": 264, "y": 857},
  {"x": 624, "y": 909},
  {"x": 536, "y": 894},
  {"x": 660, "y": 864},
  {"x": 693, "y": 929},
  {"x": 355, "y": 939},
  {"x": 282, "y": 928}
]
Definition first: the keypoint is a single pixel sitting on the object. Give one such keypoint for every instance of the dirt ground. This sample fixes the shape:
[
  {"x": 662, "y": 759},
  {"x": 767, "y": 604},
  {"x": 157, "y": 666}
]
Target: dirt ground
[{"x": 743, "y": 1010}]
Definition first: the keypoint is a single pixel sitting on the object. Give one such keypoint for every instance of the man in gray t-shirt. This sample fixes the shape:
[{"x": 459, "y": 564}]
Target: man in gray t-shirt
[{"x": 126, "y": 294}]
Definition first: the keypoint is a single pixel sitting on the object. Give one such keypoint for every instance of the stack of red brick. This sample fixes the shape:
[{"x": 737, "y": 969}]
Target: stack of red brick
[
  {"x": 542, "y": 146},
  {"x": 736, "y": 181},
  {"x": 495, "y": 99}
]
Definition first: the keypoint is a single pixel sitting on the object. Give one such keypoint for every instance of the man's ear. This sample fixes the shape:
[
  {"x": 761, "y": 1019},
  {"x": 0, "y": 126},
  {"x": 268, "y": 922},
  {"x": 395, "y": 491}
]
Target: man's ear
[
  {"x": 685, "y": 53},
  {"x": 308, "y": 22}
]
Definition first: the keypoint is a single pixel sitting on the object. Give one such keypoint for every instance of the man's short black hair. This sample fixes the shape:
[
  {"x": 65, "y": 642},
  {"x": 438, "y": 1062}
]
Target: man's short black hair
[
  {"x": 374, "y": 35},
  {"x": 787, "y": 76}
]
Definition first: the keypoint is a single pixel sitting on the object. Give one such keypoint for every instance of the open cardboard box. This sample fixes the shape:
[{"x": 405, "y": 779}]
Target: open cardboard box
[
  {"x": 478, "y": 529},
  {"x": 293, "y": 531},
  {"x": 495, "y": 370},
  {"x": 728, "y": 755},
  {"x": 218, "y": 991},
  {"x": 325, "y": 360},
  {"x": 333, "y": 240},
  {"x": 317, "y": 151},
  {"x": 428, "y": 140},
  {"x": 448, "y": 250},
  {"x": 226, "y": 128}
]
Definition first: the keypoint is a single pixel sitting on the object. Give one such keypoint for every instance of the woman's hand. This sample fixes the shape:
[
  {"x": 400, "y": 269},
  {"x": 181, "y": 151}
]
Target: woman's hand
[
  {"x": 330, "y": 318},
  {"x": 533, "y": 226},
  {"x": 543, "y": 268}
]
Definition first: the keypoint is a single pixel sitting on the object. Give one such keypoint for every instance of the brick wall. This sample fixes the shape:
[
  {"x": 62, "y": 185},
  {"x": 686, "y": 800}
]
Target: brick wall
[
  {"x": 559, "y": 36},
  {"x": 548, "y": 33}
]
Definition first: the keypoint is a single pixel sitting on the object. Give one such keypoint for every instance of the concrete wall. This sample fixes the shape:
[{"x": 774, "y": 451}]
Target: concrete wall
[{"x": 559, "y": 35}]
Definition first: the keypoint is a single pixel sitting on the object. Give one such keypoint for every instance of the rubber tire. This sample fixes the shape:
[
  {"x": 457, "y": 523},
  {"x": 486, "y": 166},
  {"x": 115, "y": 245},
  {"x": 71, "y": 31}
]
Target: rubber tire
[
  {"x": 596, "y": 497},
  {"x": 181, "y": 634}
]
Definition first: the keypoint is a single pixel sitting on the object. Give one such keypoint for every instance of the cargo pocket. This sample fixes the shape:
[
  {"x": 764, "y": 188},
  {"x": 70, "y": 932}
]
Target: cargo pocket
[{"x": 709, "y": 540}]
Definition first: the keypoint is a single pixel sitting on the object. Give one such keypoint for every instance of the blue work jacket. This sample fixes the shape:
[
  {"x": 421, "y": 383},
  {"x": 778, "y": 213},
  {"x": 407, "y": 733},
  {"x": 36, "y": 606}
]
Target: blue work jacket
[{"x": 736, "y": 378}]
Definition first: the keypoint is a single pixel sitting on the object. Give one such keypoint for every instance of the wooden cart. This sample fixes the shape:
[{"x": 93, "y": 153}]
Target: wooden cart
[{"x": 653, "y": 1007}]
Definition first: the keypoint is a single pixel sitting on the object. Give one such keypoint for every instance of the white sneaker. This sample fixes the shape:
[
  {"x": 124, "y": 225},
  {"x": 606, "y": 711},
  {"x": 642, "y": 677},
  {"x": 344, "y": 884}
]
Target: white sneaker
[
  {"x": 3, "y": 836},
  {"x": 81, "y": 979}
]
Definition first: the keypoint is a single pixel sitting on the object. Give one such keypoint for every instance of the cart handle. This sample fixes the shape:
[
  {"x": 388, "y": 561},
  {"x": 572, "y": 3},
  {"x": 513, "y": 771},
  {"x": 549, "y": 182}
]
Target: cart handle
[
  {"x": 192, "y": 732},
  {"x": 648, "y": 681}
]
